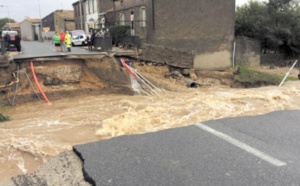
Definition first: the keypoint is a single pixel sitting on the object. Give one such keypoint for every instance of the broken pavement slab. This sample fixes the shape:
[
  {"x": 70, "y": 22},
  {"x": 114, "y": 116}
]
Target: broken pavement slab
[
  {"x": 148, "y": 159},
  {"x": 64, "y": 169}
]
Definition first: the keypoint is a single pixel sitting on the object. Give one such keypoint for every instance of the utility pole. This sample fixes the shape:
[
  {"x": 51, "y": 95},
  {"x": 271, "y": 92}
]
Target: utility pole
[
  {"x": 7, "y": 11},
  {"x": 41, "y": 22}
]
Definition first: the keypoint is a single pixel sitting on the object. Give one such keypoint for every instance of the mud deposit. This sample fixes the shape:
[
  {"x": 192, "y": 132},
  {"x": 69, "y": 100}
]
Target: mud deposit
[{"x": 93, "y": 100}]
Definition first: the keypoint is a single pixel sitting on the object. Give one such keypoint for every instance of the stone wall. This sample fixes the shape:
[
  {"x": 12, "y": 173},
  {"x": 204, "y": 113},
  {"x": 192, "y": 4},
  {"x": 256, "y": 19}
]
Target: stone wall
[
  {"x": 247, "y": 51},
  {"x": 167, "y": 56},
  {"x": 205, "y": 28}
]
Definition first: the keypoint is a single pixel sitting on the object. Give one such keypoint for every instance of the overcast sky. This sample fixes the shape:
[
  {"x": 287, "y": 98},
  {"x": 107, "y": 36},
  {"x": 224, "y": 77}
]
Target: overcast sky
[{"x": 18, "y": 9}]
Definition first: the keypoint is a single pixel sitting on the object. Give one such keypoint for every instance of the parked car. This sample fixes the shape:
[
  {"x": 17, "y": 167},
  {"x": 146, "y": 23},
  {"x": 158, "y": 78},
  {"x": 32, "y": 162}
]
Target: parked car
[
  {"x": 77, "y": 32},
  {"x": 79, "y": 39}
]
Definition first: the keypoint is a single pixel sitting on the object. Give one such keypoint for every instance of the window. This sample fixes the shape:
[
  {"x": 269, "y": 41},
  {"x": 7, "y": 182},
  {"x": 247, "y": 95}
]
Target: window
[
  {"x": 122, "y": 19},
  {"x": 87, "y": 9},
  {"x": 143, "y": 17},
  {"x": 95, "y": 5}
]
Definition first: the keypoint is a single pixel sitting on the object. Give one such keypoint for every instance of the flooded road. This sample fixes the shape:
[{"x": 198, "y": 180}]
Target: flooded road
[{"x": 38, "y": 131}]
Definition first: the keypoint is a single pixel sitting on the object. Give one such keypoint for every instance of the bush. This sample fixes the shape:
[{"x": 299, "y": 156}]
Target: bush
[
  {"x": 118, "y": 32},
  {"x": 4, "y": 118},
  {"x": 252, "y": 78}
]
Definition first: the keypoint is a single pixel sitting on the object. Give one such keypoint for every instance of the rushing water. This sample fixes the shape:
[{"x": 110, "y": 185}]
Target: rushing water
[{"x": 38, "y": 131}]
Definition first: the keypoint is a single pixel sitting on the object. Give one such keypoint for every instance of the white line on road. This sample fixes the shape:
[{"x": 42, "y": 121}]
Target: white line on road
[
  {"x": 243, "y": 146},
  {"x": 53, "y": 49}
]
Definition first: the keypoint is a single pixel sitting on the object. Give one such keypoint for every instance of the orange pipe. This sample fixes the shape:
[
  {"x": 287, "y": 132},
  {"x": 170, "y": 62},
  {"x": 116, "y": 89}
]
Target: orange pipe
[
  {"x": 128, "y": 69},
  {"x": 37, "y": 83}
]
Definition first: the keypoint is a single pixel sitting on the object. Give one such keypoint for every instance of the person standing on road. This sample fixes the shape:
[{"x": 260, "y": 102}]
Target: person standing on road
[
  {"x": 93, "y": 39},
  {"x": 7, "y": 40},
  {"x": 56, "y": 39},
  {"x": 68, "y": 41},
  {"x": 89, "y": 41},
  {"x": 18, "y": 42},
  {"x": 62, "y": 41}
]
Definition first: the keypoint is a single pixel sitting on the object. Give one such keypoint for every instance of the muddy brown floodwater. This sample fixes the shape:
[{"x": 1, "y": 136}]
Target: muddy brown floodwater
[{"x": 39, "y": 131}]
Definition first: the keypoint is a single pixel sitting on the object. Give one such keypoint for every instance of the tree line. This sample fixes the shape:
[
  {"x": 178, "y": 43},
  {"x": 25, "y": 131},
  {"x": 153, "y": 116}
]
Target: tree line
[{"x": 275, "y": 23}]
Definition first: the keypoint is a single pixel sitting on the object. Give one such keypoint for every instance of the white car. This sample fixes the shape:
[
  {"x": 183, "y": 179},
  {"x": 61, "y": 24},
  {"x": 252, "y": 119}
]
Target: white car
[{"x": 79, "y": 40}]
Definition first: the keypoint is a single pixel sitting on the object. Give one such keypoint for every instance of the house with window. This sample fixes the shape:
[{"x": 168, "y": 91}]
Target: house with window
[
  {"x": 131, "y": 13},
  {"x": 91, "y": 17},
  {"x": 79, "y": 15},
  {"x": 92, "y": 14},
  {"x": 203, "y": 28},
  {"x": 57, "y": 21}
]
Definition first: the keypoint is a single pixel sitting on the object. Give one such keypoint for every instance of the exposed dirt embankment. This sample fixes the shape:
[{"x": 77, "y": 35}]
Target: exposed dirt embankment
[
  {"x": 64, "y": 77},
  {"x": 72, "y": 76}
]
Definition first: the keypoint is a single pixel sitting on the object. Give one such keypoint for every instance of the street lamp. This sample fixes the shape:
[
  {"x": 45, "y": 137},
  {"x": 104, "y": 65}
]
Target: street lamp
[
  {"x": 41, "y": 22},
  {"x": 7, "y": 11}
]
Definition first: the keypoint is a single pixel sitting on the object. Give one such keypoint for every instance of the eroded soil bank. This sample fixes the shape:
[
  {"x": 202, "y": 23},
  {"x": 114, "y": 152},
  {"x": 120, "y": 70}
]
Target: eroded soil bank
[{"x": 92, "y": 100}]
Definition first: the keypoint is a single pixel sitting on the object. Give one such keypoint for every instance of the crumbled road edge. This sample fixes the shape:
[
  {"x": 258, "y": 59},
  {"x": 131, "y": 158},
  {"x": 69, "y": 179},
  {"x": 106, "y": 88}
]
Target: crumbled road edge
[{"x": 64, "y": 169}]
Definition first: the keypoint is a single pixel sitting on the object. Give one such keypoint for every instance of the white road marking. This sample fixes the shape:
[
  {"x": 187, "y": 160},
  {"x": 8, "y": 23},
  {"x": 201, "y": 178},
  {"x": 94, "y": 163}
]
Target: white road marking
[
  {"x": 53, "y": 49},
  {"x": 243, "y": 146}
]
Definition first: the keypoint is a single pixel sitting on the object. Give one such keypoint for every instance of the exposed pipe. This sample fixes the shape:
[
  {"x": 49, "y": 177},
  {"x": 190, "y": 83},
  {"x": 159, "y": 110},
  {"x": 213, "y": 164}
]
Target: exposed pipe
[
  {"x": 32, "y": 85},
  {"x": 145, "y": 79},
  {"x": 128, "y": 69},
  {"x": 153, "y": 90},
  {"x": 37, "y": 83},
  {"x": 191, "y": 83}
]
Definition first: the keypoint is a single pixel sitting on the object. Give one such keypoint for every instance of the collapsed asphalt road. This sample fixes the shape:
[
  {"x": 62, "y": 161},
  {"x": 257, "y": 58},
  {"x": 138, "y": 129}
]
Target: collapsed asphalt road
[{"x": 258, "y": 150}]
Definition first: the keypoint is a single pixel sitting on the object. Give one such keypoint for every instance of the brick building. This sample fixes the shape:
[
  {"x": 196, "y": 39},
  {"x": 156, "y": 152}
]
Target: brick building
[
  {"x": 79, "y": 15},
  {"x": 59, "y": 20},
  {"x": 203, "y": 28}
]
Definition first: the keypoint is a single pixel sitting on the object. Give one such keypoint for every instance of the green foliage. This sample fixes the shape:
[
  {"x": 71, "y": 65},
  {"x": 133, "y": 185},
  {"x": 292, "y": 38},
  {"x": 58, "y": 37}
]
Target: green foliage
[
  {"x": 276, "y": 24},
  {"x": 2, "y": 110},
  {"x": 117, "y": 32},
  {"x": 252, "y": 78},
  {"x": 3, "y": 21},
  {"x": 247, "y": 75},
  {"x": 4, "y": 118}
]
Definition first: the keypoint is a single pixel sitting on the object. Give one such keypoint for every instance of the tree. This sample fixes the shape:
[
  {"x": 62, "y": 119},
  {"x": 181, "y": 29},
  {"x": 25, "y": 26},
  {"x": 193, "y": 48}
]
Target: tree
[
  {"x": 3, "y": 21},
  {"x": 252, "y": 21},
  {"x": 276, "y": 24}
]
